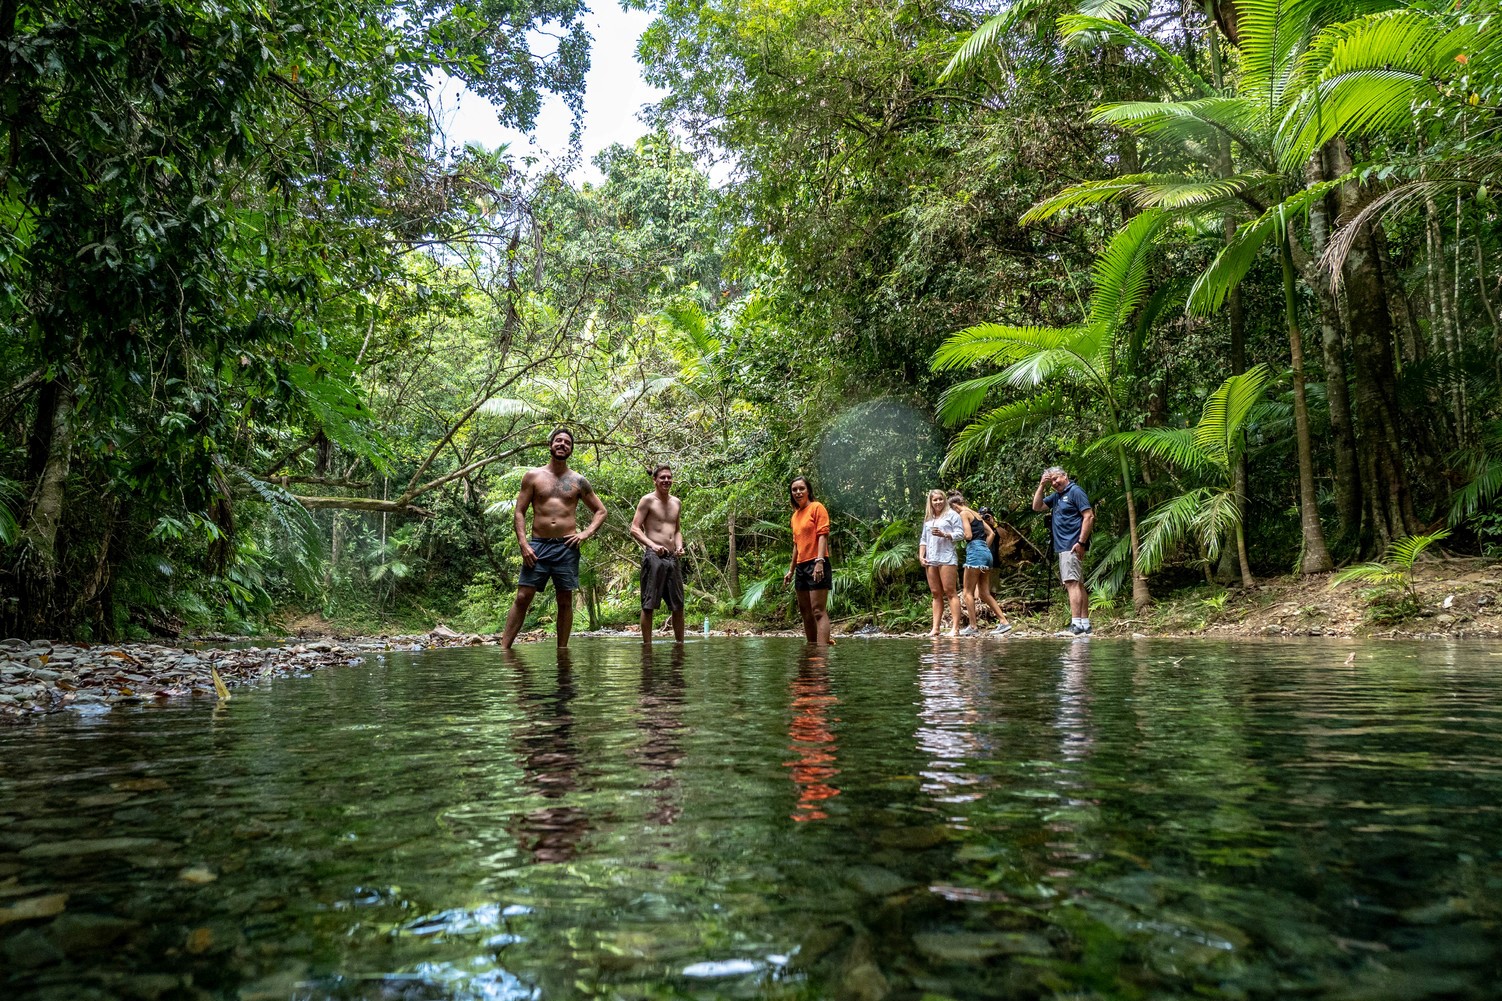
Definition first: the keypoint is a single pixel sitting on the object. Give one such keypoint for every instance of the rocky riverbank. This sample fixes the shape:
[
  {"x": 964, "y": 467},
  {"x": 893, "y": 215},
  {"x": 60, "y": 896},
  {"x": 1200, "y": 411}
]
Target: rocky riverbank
[{"x": 41, "y": 676}]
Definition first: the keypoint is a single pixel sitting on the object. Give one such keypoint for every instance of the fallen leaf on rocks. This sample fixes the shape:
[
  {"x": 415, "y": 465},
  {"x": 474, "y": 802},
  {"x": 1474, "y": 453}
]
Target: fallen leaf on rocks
[
  {"x": 122, "y": 655},
  {"x": 140, "y": 785},
  {"x": 220, "y": 689},
  {"x": 46, "y": 906},
  {"x": 200, "y": 941}
]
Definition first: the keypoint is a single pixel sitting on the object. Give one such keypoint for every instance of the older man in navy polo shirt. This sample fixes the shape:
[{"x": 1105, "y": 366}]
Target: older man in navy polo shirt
[{"x": 1073, "y": 521}]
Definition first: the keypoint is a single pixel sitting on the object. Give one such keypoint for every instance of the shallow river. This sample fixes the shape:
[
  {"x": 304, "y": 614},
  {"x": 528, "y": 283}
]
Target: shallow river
[{"x": 744, "y": 818}]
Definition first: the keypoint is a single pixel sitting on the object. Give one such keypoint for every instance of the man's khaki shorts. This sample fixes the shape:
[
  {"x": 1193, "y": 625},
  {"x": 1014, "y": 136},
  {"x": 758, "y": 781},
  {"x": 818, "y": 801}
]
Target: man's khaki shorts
[{"x": 1070, "y": 567}]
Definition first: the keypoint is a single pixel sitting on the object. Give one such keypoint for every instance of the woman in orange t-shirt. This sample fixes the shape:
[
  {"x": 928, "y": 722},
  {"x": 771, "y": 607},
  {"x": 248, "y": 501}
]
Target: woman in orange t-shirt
[{"x": 810, "y": 565}]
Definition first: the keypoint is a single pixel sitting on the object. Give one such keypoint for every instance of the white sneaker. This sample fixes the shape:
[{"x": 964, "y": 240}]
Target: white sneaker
[
  {"x": 968, "y": 631},
  {"x": 1002, "y": 629}
]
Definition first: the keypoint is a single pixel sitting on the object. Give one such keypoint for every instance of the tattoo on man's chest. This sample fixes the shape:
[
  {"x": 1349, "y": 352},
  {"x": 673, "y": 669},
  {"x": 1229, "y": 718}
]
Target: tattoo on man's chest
[{"x": 566, "y": 486}]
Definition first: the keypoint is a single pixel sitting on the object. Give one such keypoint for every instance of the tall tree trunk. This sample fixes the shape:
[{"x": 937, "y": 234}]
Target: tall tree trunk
[
  {"x": 1316, "y": 558},
  {"x": 1142, "y": 598},
  {"x": 732, "y": 565},
  {"x": 1385, "y": 487},
  {"x": 1491, "y": 313},
  {"x": 45, "y": 512},
  {"x": 1337, "y": 387},
  {"x": 1443, "y": 335},
  {"x": 1226, "y": 167}
]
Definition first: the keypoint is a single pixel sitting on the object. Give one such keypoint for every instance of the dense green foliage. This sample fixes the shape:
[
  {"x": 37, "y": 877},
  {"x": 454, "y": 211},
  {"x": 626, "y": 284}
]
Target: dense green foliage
[{"x": 268, "y": 346}]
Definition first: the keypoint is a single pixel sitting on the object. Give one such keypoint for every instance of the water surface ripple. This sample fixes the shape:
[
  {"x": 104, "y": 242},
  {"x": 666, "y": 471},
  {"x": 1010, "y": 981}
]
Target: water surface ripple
[{"x": 747, "y": 818}]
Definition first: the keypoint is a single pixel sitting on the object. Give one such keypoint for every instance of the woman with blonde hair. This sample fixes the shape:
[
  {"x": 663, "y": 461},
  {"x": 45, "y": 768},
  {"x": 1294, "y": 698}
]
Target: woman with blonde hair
[
  {"x": 973, "y": 590},
  {"x": 936, "y": 552}
]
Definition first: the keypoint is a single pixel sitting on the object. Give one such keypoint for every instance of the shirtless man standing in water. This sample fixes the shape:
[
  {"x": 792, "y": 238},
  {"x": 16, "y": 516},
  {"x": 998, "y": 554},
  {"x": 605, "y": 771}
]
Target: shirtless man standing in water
[
  {"x": 656, "y": 528},
  {"x": 553, "y": 492}
]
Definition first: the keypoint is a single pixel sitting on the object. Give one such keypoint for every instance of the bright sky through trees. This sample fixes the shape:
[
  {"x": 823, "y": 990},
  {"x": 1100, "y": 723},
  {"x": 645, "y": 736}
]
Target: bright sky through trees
[{"x": 616, "y": 93}]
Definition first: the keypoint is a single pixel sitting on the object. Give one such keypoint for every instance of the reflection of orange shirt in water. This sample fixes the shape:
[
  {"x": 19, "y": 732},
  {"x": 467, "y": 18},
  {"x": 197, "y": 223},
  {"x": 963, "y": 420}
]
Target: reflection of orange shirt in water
[{"x": 813, "y": 741}]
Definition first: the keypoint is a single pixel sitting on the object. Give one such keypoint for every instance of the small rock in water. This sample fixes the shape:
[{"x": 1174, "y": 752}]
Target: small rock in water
[
  {"x": 875, "y": 881},
  {"x": 88, "y": 846},
  {"x": 197, "y": 875},
  {"x": 87, "y": 932},
  {"x": 30, "y": 950},
  {"x": 977, "y": 947},
  {"x": 30, "y": 909}
]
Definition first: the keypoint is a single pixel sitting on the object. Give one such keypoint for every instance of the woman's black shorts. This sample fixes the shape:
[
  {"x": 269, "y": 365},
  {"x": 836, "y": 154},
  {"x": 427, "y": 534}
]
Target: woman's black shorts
[{"x": 803, "y": 576}]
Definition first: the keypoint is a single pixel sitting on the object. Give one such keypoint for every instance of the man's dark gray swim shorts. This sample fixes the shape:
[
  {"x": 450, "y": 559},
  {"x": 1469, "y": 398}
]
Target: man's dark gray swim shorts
[
  {"x": 661, "y": 581},
  {"x": 556, "y": 561}
]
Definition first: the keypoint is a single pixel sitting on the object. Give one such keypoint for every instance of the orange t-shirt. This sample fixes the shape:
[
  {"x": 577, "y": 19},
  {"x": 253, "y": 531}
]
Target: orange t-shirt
[{"x": 809, "y": 522}]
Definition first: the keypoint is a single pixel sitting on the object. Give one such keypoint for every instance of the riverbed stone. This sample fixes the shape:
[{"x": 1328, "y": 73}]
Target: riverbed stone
[
  {"x": 876, "y": 881},
  {"x": 34, "y": 908},
  {"x": 90, "y": 846},
  {"x": 74, "y": 933},
  {"x": 977, "y": 947},
  {"x": 151, "y": 986},
  {"x": 29, "y": 949}
]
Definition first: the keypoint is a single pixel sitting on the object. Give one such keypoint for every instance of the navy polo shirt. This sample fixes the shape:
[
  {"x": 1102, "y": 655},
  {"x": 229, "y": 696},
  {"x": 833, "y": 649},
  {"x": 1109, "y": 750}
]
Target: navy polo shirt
[{"x": 1069, "y": 510}]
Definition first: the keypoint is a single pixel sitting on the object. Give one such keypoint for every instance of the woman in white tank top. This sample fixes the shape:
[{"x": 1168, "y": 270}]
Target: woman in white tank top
[{"x": 936, "y": 552}]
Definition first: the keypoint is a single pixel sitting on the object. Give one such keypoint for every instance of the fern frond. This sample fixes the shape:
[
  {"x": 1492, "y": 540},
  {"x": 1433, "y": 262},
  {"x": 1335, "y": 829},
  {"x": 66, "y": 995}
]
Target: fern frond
[{"x": 987, "y": 37}]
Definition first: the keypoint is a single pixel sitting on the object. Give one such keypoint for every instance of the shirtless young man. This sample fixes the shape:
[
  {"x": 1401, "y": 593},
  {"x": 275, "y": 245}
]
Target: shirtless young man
[
  {"x": 656, "y": 528},
  {"x": 553, "y": 492}
]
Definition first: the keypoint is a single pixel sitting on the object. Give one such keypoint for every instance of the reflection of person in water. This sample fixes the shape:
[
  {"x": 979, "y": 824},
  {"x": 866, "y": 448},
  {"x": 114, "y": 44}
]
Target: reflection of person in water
[
  {"x": 812, "y": 738},
  {"x": 661, "y": 722},
  {"x": 1073, "y": 718},
  {"x": 949, "y": 722},
  {"x": 551, "y": 765}
]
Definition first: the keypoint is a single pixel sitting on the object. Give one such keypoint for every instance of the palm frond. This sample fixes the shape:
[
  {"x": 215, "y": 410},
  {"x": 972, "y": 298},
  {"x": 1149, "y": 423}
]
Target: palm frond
[
  {"x": 1484, "y": 486},
  {"x": 507, "y": 407},
  {"x": 1219, "y": 516},
  {"x": 1113, "y": 568},
  {"x": 1117, "y": 10},
  {"x": 1405, "y": 552},
  {"x": 1235, "y": 260},
  {"x": 997, "y": 344},
  {"x": 987, "y": 38},
  {"x": 1167, "y": 526},
  {"x": 1202, "y": 122},
  {"x": 1175, "y": 446},
  {"x": 637, "y": 391},
  {"x": 1086, "y": 194},
  {"x": 1076, "y": 27},
  {"x": 960, "y": 401},
  {"x": 1226, "y": 412},
  {"x": 1120, "y": 272},
  {"x": 10, "y": 497},
  {"x": 996, "y": 426},
  {"x": 1368, "y": 573}
]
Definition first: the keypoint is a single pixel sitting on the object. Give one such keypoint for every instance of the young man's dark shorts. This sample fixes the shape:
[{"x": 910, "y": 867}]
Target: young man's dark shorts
[
  {"x": 661, "y": 581},
  {"x": 556, "y": 561},
  {"x": 803, "y": 576}
]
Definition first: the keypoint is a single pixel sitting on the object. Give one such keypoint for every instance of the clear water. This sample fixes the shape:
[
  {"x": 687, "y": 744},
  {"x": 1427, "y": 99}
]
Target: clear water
[{"x": 745, "y": 819}]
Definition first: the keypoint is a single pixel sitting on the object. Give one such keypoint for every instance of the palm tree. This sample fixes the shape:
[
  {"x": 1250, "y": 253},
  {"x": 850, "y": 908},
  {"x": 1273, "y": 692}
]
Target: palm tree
[
  {"x": 1192, "y": 139},
  {"x": 1081, "y": 360},
  {"x": 1210, "y": 451}
]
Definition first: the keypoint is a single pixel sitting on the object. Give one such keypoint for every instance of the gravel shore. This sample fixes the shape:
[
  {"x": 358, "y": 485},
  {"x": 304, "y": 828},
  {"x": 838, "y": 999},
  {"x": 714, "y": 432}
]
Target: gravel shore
[{"x": 41, "y": 676}]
